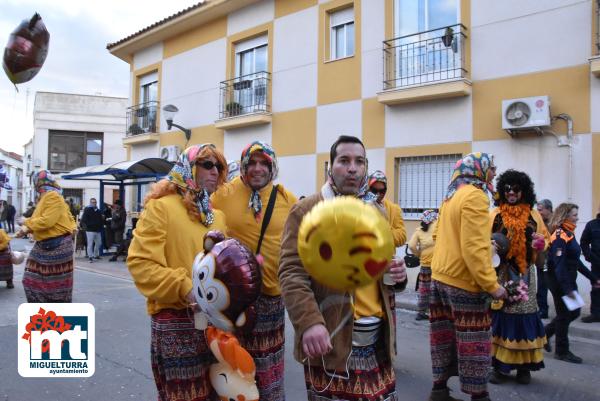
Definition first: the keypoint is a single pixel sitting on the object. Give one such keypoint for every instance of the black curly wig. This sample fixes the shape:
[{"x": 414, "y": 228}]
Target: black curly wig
[{"x": 514, "y": 177}]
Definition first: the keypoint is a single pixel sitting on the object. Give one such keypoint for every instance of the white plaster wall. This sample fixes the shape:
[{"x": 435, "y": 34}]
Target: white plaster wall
[
  {"x": 235, "y": 140},
  {"x": 337, "y": 119},
  {"x": 296, "y": 39},
  {"x": 371, "y": 73},
  {"x": 489, "y": 11},
  {"x": 425, "y": 123},
  {"x": 554, "y": 38},
  {"x": 191, "y": 82},
  {"x": 376, "y": 159},
  {"x": 372, "y": 37},
  {"x": 144, "y": 150},
  {"x": 298, "y": 174},
  {"x": 547, "y": 165},
  {"x": 250, "y": 16},
  {"x": 595, "y": 103},
  {"x": 295, "y": 88},
  {"x": 150, "y": 55},
  {"x": 294, "y": 78}
]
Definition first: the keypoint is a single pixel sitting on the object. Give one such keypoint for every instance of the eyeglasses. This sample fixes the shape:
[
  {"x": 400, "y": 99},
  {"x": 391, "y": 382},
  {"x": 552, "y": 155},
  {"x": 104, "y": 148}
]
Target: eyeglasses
[
  {"x": 514, "y": 188},
  {"x": 208, "y": 165},
  {"x": 378, "y": 191}
]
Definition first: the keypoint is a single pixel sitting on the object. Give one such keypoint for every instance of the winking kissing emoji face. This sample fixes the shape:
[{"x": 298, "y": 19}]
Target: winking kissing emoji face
[{"x": 345, "y": 243}]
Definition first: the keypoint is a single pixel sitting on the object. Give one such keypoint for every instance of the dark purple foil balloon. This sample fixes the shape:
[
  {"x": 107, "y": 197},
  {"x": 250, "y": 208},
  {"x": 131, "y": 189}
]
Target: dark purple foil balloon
[
  {"x": 26, "y": 50},
  {"x": 238, "y": 269}
]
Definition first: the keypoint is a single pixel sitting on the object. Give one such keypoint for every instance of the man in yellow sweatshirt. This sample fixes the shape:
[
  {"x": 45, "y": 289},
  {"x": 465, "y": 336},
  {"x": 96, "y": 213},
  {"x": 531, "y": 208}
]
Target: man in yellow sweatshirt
[
  {"x": 245, "y": 201},
  {"x": 462, "y": 281},
  {"x": 378, "y": 187}
]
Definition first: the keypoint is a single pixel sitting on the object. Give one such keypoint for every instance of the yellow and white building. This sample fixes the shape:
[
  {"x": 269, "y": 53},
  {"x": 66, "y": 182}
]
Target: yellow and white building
[{"x": 298, "y": 73}]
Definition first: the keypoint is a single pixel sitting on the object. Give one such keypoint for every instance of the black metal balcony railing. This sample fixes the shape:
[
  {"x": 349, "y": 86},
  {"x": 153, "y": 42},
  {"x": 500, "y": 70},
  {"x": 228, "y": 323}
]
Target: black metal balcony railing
[
  {"x": 424, "y": 57},
  {"x": 141, "y": 118},
  {"x": 244, "y": 95}
]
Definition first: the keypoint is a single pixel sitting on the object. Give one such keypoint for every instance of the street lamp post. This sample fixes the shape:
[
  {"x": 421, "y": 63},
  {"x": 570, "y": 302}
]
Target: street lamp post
[{"x": 169, "y": 112}]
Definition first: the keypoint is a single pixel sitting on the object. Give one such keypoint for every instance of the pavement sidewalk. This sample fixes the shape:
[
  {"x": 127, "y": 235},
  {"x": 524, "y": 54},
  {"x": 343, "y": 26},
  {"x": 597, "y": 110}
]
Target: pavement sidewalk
[{"x": 587, "y": 331}]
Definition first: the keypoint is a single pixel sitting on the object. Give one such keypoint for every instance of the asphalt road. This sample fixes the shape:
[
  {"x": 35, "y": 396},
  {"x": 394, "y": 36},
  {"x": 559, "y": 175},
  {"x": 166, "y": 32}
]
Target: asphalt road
[{"x": 123, "y": 354}]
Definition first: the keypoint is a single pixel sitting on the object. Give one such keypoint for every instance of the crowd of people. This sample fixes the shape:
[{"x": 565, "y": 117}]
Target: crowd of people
[{"x": 482, "y": 285}]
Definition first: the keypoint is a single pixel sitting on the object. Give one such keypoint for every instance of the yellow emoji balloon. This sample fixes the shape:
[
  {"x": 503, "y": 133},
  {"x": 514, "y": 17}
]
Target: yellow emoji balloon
[{"x": 345, "y": 243}]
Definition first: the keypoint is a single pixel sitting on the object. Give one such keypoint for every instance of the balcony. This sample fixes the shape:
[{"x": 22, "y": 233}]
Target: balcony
[
  {"x": 426, "y": 65},
  {"x": 141, "y": 123},
  {"x": 245, "y": 101}
]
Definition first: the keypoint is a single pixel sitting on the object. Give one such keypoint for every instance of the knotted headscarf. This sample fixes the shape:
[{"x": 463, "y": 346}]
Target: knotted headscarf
[
  {"x": 363, "y": 191},
  {"x": 183, "y": 174},
  {"x": 255, "y": 203},
  {"x": 377, "y": 176},
  {"x": 473, "y": 169},
  {"x": 429, "y": 216},
  {"x": 44, "y": 181}
]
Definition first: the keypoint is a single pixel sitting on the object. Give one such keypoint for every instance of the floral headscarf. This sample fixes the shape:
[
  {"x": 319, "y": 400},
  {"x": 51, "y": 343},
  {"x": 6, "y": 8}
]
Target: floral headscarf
[
  {"x": 44, "y": 181},
  {"x": 363, "y": 192},
  {"x": 255, "y": 203},
  {"x": 429, "y": 216},
  {"x": 473, "y": 169},
  {"x": 377, "y": 176},
  {"x": 183, "y": 174}
]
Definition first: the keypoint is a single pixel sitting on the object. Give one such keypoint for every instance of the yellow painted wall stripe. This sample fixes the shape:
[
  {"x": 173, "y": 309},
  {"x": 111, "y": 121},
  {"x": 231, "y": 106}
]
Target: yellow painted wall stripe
[{"x": 568, "y": 88}]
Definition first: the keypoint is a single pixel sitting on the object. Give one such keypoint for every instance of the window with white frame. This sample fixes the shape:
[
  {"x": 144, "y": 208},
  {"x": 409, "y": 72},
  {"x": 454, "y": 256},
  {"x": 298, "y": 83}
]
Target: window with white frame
[
  {"x": 149, "y": 88},
  {"x": 251, "y": 63},
  {"x": 422, "y": 182},
  {"x": 342, "y": 33}
]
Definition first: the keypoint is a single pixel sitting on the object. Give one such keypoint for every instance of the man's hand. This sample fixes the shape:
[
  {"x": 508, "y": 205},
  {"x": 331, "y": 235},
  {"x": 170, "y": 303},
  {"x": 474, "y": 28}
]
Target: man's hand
[
  {"x": 500, "y": 293},
  {"x": 397, "y": 270},
  {"x": 22, "y": 232},
  {"x": 192, "y": 301},
  {"x": 572, "y": 295},
  {"x": 316, "y": 341},
  {"x": 21, "y": 220}
]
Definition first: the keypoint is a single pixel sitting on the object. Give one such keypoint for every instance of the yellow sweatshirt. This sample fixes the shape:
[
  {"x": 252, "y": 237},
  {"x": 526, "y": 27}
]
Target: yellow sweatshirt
[
  {"x": 51, "y": 217},
  {"x": 396, "y": 222},
  {"x": 421, "y": 244},
  {"x": 368, "y": 299},
  {"x": 160, "y": 257},
  {"x": 4, "y": 240},
  {"x": 232, "y": 199},
  {"x": 462, "y": 256}
]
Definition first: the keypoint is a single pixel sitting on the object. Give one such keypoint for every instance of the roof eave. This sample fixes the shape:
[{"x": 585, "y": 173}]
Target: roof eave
[{"x": 210, "y": 10}]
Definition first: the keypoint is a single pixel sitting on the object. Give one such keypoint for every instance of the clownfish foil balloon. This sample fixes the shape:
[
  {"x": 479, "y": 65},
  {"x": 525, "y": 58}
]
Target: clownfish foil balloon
[
  {"x": 226, "y": 282},
  {"x": 26, "y": 50},
  {"x": 345, "y": 243}
]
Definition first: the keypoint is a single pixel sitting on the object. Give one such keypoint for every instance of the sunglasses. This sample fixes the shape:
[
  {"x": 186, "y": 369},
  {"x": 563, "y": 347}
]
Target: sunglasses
[
  {"x": 378, "y": 191},
  {"x": 208, "y": 165},
  {"x": 513, "y": 188}
]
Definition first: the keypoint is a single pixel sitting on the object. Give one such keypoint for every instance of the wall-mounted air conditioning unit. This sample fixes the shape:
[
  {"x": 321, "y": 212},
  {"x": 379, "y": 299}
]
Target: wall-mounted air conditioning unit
[
  {"x": 526, "y": 113},
  {"x": 170, "y": 153},
  {"x": 37, "y": 163}
]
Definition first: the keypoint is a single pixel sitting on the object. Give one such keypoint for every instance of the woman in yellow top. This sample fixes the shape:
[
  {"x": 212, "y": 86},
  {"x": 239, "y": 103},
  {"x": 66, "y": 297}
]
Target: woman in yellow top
[
  {"x": 48, "y": 275},
  {"x": 421, "y": 244},
  {"x": 168, "y": 236},
  {"x": 462, "y": 281}
]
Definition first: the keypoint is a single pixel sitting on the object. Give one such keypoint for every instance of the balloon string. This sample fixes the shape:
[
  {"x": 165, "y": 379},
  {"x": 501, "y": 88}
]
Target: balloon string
[
  {"x": 17, "y": 89},
  {"x": 333, "y": 375}
]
